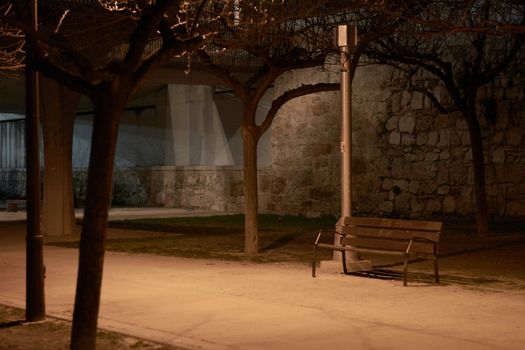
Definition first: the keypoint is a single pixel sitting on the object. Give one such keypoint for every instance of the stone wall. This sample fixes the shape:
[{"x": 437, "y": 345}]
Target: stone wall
[
  {"x": 408, "y": 160},
  {"x": 304, "y": 177}
]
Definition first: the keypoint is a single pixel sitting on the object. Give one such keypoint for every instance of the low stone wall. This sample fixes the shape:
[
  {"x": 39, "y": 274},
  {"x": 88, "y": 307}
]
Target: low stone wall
[
  {"x": 12, "y": 183},
  {"x": 214, "y": 188}
]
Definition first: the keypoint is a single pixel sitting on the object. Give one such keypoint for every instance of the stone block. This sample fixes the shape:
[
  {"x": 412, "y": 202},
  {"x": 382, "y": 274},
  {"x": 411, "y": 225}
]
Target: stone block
[
  {"x": 410, "y": 157},
  {"x": 433, "y": 137},
  {"x": 498, "y": 156},
  {"x": 407, "y": 124},
  {"x": 498, "y": 93},
  {"x": 513, "y": 137},
  {"x": 468, "y": 155},
  {"x": 391, "y": 123},
  {"x": 402, "y": 202},
  {"x": 431, "y": 157},
  {"x": 427, "y": 103},
  {"x": 408, "y": 139},
  {"x": 426, "y": 171},
  {"x": 421, "y": 138},
  {"x": 321, "y": 194},
  {"x": 511, "y": 173},
  {"x": 442, "y": 121},
  {"x": 359, "y": 166},
  {"x": 385, "y": 206},
  {"x": 420, "y": 156},
  {"x": 444, "y": 155},
  {"x": 387, "y": 184},
  {"x": 264, "y": 183},
  {"x": 394, "y": 138},
  {"x": 416, "y": 206},
  {"x": 429, "y": 188},
  {"x": 237, "y": 188},
  {"x": 492, "y": 190},
  {"x": 418, "y": 101},
  {"x": 406, "y": 97},
  {"x": 502, "y": 119},
  {"x": 512, "y": 93},
  {"x": 432, "y": 206},
  {"x": 444, "y": 138},
  {"x": 516, "y": 209},
  {"x": 458, "y": 152},
  {"x": 449, "y": 205},
  {"x": 444, "y": 189},
  {"x": 465, "y": 138},
  {"x": 403, "y": 185},
  {"x": 461, "y": 124},
  {"x": 441, "y": 94},
  {"x": 414, "y": 186}
]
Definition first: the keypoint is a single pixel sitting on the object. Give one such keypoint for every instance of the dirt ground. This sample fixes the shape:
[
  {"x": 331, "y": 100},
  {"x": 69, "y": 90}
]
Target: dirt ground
[{"x": 53, "y": 334}]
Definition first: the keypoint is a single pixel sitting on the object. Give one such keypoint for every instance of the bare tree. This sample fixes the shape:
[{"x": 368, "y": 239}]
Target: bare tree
[
  {"x": 72, "y": 46},
  {"x": 465, "y": 48},
  {"x": 271, "y": 38},
  {"x": 11, "y": 44}
]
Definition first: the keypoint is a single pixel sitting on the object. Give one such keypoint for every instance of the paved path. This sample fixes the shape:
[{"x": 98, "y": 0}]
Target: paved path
[{"x": 203, "y": 304}]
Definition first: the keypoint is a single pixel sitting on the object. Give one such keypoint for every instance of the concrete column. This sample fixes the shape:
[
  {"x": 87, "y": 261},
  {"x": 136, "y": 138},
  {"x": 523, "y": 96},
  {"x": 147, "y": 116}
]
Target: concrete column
[
  {"x": 195, "y": 130},
  {"x": 59, "y": 106}
]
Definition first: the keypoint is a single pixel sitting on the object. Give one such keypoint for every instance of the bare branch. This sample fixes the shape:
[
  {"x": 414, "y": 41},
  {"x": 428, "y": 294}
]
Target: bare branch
[{"x": 289, "y": 95}]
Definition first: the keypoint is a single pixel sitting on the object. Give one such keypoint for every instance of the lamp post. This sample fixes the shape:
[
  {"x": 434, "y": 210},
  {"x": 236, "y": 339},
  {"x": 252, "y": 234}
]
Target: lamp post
[
  {"x": 346, "y": 39},
  {"x": 35, "y": 301}
]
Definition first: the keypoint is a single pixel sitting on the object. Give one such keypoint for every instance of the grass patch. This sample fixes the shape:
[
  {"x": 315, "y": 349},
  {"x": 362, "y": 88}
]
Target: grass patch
[
  {"x": 281, "y": 238},
  {"x": 54, "y": 334},
  {"x": 224, "y": 224}
]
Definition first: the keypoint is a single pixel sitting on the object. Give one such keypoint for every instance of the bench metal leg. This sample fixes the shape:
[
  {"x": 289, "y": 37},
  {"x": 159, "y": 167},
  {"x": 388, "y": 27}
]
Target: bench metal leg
[
  {"x": 313, "y": 261},
  {"x": 436, "y": 270},
  {"x": 343, "y": 257},
  {"x": 405, "y": 270}
]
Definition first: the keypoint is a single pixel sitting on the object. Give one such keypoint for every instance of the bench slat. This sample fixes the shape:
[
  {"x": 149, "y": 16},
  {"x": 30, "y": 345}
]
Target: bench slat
[
  {"x": 393, "y": 223},
  {"x": 389, "y": 233},
  {"x": 381, "y": 244}
]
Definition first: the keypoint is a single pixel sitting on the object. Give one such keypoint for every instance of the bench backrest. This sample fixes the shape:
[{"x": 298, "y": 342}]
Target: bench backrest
[{"x": 364, "y": 230}]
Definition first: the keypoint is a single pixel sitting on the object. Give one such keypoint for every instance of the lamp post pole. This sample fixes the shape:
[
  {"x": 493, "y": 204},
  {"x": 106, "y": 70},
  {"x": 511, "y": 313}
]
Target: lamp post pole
[
  {"x": 346, "y": 39},
  {"x": 35, "y": 301}
]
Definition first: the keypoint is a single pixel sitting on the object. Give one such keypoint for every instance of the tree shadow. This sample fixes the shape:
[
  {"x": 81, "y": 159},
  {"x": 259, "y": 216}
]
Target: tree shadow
[
  {"x": 281, "y": 241},
  {"x": 9, "y": 324}
]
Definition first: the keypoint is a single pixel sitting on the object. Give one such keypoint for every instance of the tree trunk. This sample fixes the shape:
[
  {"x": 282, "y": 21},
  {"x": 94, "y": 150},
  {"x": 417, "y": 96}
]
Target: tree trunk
[
  {"x": 478, "y": 163},
  {"x": 251, "y": 228},
  {"x": 91, "y": 253}
]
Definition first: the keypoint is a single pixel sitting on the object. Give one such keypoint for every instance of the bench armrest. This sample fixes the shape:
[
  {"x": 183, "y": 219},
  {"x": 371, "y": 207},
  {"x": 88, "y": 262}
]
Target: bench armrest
[
  {"x": 421, "y": 240},
  {"x": 335, "y": 233}
]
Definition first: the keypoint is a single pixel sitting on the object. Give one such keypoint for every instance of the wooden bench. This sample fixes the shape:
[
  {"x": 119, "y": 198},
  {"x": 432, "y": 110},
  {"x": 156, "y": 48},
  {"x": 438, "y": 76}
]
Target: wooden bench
[
  {"x": 12, "y": 204},
  {"x": 404, "y": 238}
]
